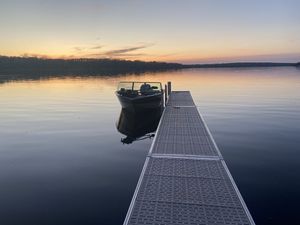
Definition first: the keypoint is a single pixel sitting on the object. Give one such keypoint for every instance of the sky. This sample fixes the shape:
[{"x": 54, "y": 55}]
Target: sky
[{"x": 184, "y": 31}]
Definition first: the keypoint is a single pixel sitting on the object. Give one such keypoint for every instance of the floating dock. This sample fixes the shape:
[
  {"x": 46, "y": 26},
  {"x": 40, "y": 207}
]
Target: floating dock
[{"x": 185, "y": 179}]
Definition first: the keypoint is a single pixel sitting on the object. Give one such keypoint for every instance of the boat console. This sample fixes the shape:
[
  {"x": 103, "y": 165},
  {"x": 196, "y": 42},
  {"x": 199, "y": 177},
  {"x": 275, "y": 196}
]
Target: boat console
[{"x": 134, "y": 89}]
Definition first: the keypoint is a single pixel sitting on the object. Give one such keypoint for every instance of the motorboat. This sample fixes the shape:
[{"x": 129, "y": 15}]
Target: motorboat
[{"x": 140, "y": 96}]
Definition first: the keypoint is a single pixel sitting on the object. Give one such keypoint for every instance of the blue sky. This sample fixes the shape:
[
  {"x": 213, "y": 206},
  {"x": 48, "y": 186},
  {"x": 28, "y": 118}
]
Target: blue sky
[{"x": 167, "y": 30}]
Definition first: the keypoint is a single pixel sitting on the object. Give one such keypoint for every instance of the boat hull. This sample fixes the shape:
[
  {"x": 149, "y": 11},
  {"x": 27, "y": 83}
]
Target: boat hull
[{"x": 141, "y": 103}]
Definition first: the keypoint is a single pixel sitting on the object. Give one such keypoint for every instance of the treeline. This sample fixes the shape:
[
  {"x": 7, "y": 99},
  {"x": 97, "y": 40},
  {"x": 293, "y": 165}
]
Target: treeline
[
  {"x": 241, "y": 64},
  {"x": 31, "y": 66},
  {"x": 81, "y": 66}
]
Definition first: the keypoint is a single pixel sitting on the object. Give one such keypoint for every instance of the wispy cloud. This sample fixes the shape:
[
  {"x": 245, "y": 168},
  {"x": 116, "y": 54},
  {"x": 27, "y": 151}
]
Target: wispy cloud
[
  {"x": 125, "y": 52},
  {"x": 132, "y": 51},
  {"x": 43, "y": 56},
  {"x": 78, "y": 49},
  {"x": 97, "y": 47},
  {"x": 124, "y": 55},
  {"x": 120, "y": 51},
  {"x": 100, "y": 51}
]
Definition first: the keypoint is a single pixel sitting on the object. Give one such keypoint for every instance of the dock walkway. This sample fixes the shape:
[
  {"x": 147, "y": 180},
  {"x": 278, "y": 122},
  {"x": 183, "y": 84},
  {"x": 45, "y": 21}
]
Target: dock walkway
[{"x": 185, "y": 179}]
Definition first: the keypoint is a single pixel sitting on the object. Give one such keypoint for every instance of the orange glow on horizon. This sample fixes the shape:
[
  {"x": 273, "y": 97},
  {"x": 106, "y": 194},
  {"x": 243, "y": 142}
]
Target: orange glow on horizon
[{"x": 179, "y": 58}]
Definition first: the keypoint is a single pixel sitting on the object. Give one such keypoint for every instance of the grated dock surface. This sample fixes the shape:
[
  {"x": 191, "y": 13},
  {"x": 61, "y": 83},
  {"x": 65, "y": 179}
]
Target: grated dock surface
[{"x": 185, "y": 179}]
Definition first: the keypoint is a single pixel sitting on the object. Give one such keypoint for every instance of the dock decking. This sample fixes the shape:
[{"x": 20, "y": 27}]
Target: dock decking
[{"x": 185, "y": 179}]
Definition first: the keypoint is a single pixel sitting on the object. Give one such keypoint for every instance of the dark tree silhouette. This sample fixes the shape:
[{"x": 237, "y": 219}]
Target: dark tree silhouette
[
  {"x": 35, "y": 68},
  {"x": 79, "y": 66}
]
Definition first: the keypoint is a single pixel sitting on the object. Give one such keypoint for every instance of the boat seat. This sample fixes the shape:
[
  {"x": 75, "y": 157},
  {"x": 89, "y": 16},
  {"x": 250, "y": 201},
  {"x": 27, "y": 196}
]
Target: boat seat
[{"x": 146, "y": 89}]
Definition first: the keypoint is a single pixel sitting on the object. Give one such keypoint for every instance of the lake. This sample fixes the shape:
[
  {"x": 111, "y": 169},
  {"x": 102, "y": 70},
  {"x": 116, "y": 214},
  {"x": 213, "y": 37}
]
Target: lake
[{"x": 62, "y": 160}]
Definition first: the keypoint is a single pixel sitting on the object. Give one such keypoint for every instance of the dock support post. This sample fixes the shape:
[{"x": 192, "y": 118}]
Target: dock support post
[
  {"x": 169, "y": 87},
  {"x": 166, "y": 94}
]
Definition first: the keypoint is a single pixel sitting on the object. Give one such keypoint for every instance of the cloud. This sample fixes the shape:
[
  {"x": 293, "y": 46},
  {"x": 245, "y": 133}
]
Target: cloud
[
  {"x": 117, "y": 53},
  {"x": 123, "y": 50},
  {"x": 127, "y": 55},
  {"x": 79, "y": 49},
  {"x": 86, "y": 49},
  {"x": 97, "y": 47},
  {"x": 95, "y": 51},
  {"x": 27, "y": 55},
  {"x": 126, "y": 51}
]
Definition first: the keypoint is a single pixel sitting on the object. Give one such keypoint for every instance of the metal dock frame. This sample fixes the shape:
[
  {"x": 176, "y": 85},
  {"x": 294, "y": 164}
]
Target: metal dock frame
[{"x": 185, "y": 179}]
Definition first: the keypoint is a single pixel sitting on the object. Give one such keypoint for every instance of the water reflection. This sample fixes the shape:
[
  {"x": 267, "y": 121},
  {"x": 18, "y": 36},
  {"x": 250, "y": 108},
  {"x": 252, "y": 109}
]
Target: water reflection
[
  {"x": 138, "y": 125},
  {"x": 61, "y": 158}
]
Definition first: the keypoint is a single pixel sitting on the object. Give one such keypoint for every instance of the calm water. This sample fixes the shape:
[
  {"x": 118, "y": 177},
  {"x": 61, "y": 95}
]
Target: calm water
[{"x": 62, "y": 162}]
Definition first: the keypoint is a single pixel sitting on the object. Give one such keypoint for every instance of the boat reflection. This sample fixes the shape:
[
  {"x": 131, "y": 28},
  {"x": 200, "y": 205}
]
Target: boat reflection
[{"x": 138, "y": 125}]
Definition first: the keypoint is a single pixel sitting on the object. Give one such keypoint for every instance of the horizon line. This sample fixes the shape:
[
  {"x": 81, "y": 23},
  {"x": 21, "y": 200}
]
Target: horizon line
[{"x": 146, "y": 61}]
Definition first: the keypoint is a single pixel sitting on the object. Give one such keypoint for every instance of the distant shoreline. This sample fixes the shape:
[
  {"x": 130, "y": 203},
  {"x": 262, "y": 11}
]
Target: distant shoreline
[
  {"x": 17, "y": 67},
  {"x": 241, "y": 64}
]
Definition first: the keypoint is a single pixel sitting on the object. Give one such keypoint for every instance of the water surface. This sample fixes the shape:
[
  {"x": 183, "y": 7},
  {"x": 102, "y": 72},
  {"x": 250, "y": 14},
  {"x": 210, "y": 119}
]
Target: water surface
[{"x": 62, "y": 161}]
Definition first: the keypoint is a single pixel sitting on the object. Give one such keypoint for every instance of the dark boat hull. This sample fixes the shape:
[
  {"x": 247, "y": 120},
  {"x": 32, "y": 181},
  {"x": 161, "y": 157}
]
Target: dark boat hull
[{"x": 141, "y": 103}]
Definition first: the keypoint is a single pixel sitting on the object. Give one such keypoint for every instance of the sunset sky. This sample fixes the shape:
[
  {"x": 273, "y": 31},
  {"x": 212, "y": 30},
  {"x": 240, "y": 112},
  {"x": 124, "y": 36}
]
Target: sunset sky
[{"x": 186, "y": 31}]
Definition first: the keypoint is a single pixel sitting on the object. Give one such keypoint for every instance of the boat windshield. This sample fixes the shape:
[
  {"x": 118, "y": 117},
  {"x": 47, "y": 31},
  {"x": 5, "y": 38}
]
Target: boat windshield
[{"x": 139, "y": 88}]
